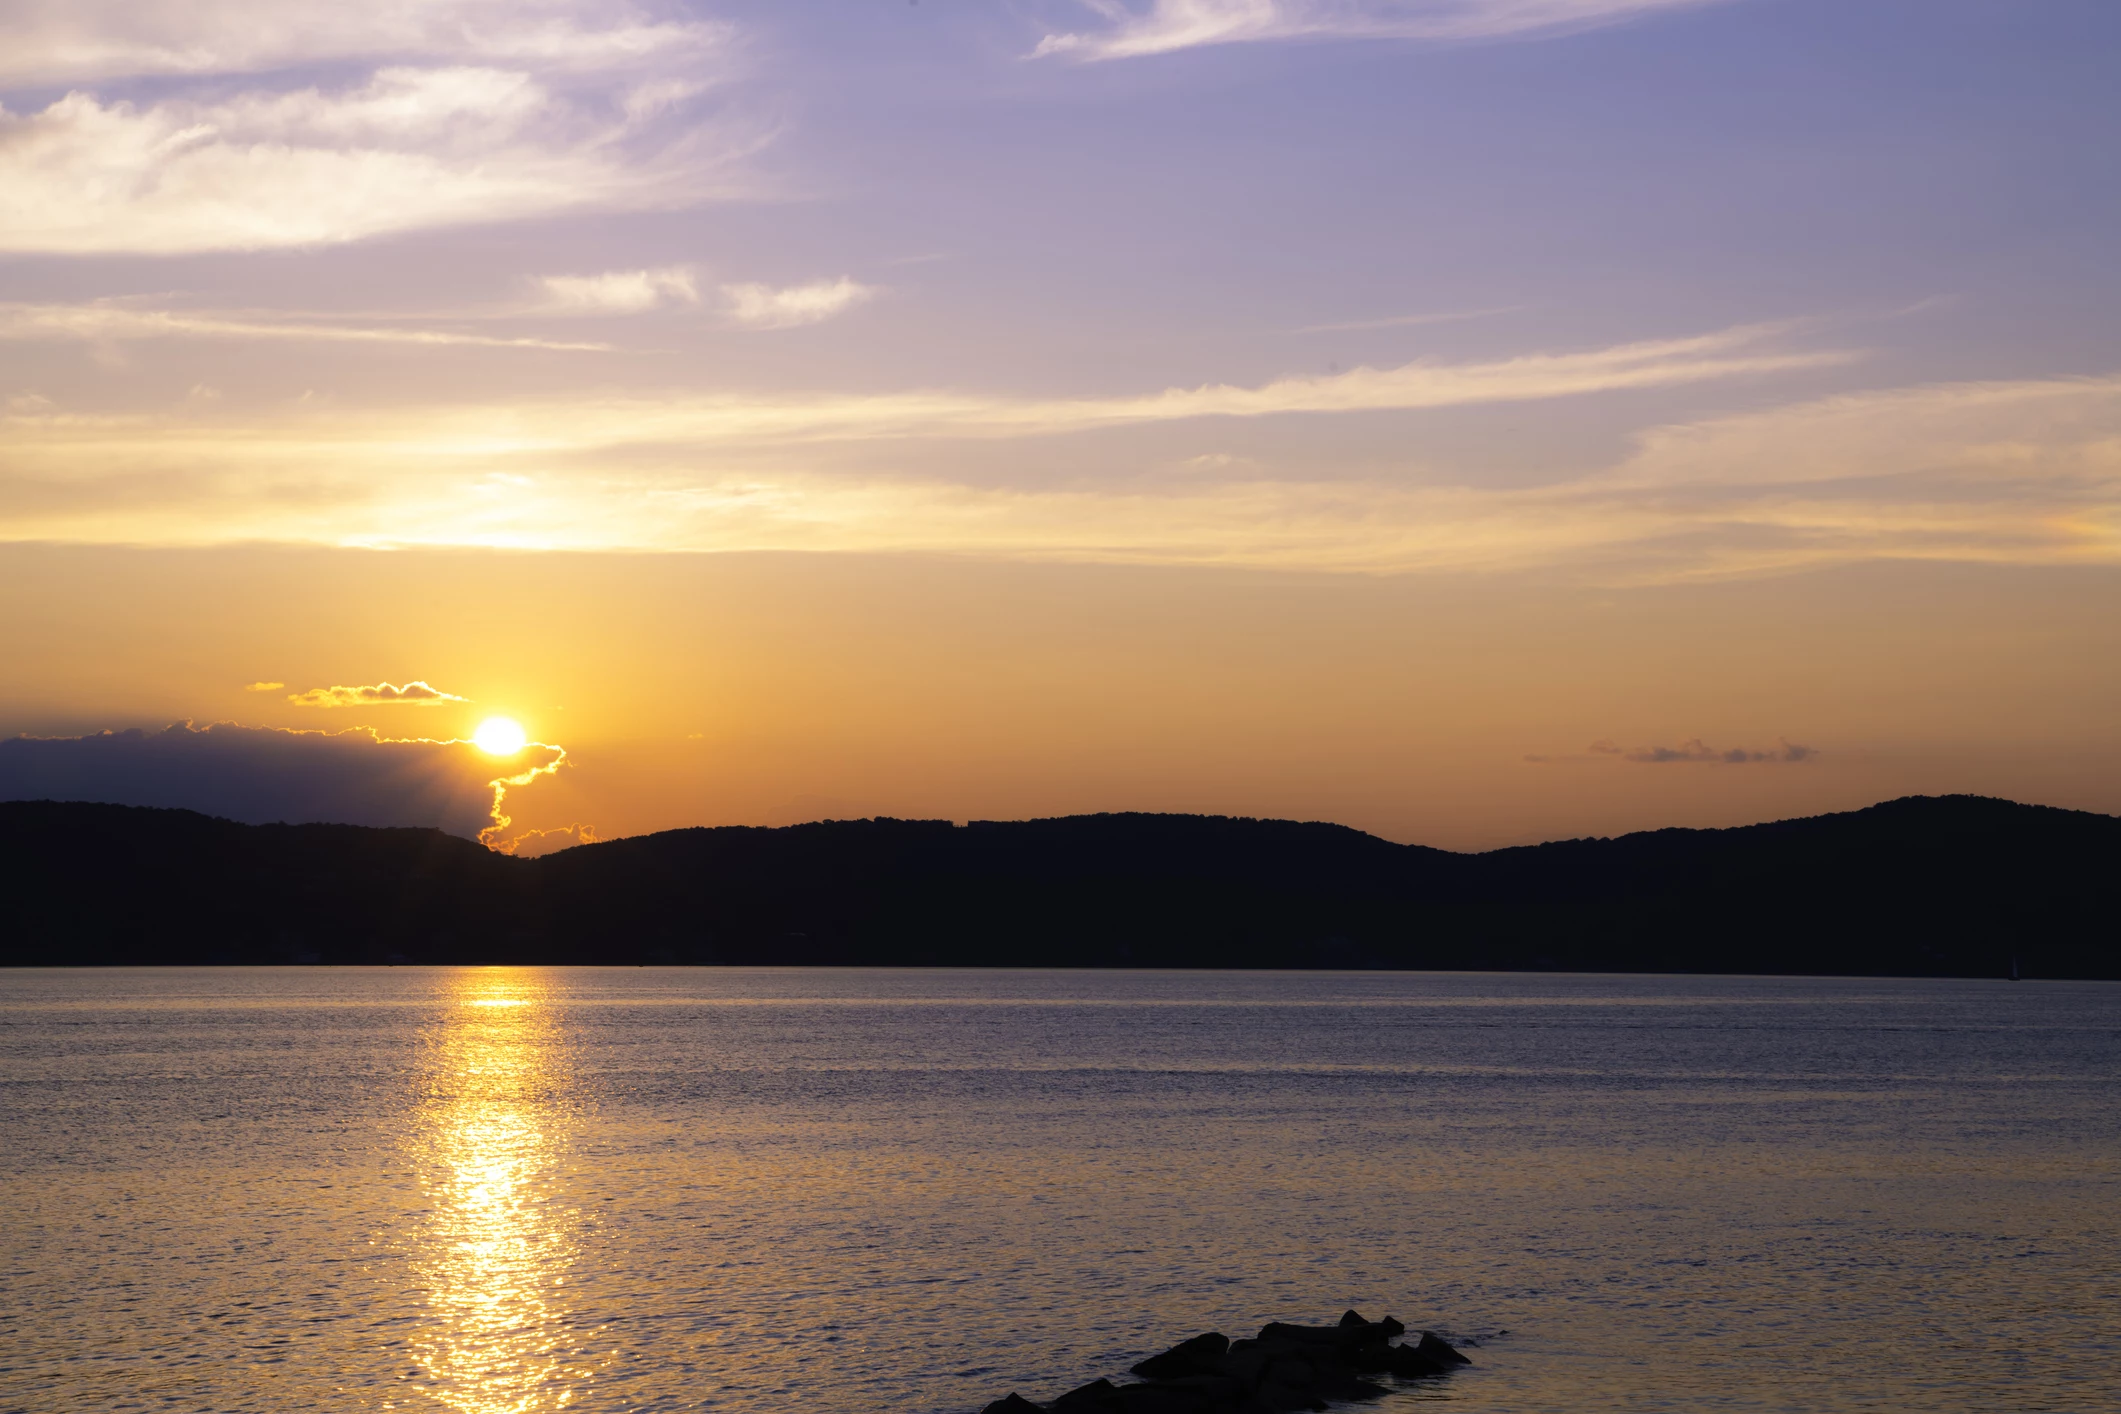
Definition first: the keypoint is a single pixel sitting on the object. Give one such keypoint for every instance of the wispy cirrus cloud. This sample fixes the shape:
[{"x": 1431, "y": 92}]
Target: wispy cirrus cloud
[
  {"x": 1133, "y": 30},
  {"x": 1423, "y": 384},
  {"x": 382, "y": 694},
  {"x": 122, "y": 321},
  {"x": 1408, "y": 321},
  {"x": 70, "y": 41},
  {"x": 407, "y": 148},
  {"x": 757, "y": 306},
  {"x": 299, "y": 122},
  {"x": 2006, "y": 473}
]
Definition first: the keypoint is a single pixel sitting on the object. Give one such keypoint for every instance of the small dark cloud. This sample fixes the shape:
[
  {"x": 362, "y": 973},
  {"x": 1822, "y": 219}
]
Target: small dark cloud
[
  {"x": 412, "y": 694},
  {"x": 1700, "y": 751},
  {"x": 259, "y": 775},
  {"x": 1694, "y": 750}
]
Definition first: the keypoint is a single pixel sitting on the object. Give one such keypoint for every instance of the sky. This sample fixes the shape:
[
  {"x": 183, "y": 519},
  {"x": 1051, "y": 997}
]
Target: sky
[{"x": 1474, "y": 421}]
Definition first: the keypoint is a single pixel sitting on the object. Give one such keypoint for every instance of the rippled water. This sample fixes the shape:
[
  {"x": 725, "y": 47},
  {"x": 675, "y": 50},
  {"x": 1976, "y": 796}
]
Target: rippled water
[{"x": 499, "y": 1191}]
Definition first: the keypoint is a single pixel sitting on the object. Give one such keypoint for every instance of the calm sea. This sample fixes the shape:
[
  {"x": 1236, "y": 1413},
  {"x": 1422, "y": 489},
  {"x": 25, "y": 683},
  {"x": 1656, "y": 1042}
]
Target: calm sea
[{"x": 509, "y": 1190}]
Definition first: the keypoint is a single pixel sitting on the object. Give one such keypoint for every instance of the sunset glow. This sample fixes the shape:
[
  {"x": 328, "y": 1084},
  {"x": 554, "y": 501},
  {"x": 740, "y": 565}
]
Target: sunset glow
[{"x": 500, "y": 736}]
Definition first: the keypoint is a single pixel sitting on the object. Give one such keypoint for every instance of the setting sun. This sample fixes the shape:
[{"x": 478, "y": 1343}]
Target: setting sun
[{"x": 500, "y": 736}]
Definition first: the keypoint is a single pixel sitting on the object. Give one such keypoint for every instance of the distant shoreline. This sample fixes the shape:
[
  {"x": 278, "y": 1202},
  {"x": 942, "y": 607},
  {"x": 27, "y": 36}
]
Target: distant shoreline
[{"x": 1952, "y": 886}]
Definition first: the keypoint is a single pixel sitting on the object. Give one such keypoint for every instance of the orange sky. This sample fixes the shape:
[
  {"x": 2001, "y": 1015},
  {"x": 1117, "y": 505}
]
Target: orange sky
[{"x": 694, "y": 689}]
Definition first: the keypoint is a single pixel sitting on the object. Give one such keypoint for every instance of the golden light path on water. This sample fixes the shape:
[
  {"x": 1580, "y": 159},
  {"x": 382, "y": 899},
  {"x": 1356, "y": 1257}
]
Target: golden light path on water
[{"x": 498, "y": 1242}]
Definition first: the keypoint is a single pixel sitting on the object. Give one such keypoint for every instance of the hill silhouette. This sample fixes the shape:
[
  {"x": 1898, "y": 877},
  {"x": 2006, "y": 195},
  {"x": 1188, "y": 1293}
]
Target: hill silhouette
[{"x": 1939, "y": 886}]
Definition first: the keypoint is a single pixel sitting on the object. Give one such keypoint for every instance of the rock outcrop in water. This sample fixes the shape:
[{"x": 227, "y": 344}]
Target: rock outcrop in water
[{"x": 1286, "y": 1368}]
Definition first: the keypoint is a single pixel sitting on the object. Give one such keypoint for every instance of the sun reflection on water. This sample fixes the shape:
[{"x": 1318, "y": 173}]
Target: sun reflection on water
[{"x": 499, "y": 1240}]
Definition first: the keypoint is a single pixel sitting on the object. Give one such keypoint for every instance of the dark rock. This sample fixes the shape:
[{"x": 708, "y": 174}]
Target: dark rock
[
  {"x": 1354, "y": 1328},
  {"x": 1332, "y": 1337},
  {"x": 1014, "y": 1404},
  {"x": 1287, "y": 1368},
  {"x": 1248, "y": 1361},
  {"x": 1087, "y": 1399},
  {"x": 1196, "y": 1394},
  {"x": 1201, "y": 1355},
  {"x": 1300, "y": 1335},
  {"x": 1220, "y": 1391},
  {"x": 1435, "y": 1347}
]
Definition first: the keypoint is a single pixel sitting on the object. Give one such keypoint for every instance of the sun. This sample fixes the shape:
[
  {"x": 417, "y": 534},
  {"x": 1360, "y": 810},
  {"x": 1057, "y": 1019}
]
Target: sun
[{"x": 500, "y": 736}]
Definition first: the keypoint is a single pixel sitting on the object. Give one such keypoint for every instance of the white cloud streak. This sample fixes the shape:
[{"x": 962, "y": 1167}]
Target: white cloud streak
[
  {"x": 73, "y": 41},
  {"x": 2020, "y": 472},
  {"x": 407, "y": 149},
  {"x": 761, "y": 420},
  {"x": 779, "y": 420},
  {"x": 617, "y": 291},
  {"x": 1409, "y": 321},
  {"x": 2024, "y": 472},
  {"x": 1135, "y": 30},
  {"x": 103, "y": 321},
  {"x": 758, "y": 306}
]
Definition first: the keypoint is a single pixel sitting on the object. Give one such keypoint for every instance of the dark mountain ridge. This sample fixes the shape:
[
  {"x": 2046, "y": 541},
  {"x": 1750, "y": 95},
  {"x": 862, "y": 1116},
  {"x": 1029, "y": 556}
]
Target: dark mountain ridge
[{"x": 1945, "y": 886}]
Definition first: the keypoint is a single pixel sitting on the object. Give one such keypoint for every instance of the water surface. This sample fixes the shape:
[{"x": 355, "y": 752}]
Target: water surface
[{"x": 499, "y": 1191}]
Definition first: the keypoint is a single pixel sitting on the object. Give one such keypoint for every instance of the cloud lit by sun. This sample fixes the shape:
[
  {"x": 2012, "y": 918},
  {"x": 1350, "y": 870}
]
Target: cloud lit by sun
[{"x": 500, "y": 736}]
